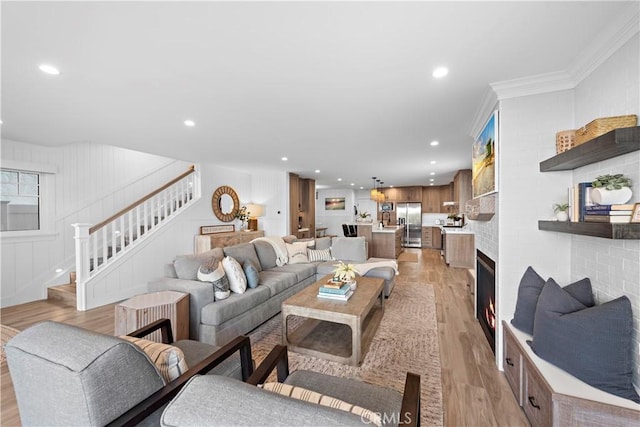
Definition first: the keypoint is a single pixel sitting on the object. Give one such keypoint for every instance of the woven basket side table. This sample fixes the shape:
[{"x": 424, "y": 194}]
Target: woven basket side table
[{"x": 141, "y": 310}]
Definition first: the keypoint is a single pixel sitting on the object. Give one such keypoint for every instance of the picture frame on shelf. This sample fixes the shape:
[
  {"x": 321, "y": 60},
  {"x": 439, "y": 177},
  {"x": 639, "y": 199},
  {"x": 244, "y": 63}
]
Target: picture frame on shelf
[
  {"x": 484, "y": 159},
  {"x": 635, "y": 215},
  {"x": 213, "y": 229}
]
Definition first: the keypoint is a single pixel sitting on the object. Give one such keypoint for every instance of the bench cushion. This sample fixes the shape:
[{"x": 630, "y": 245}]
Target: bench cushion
[{"x": 221, "y": 311}]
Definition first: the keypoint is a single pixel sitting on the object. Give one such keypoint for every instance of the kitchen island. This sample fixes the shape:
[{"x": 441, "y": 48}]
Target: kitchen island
[
  {"x": 458, "y": 247},
  {"x": 383, "y": 242}
]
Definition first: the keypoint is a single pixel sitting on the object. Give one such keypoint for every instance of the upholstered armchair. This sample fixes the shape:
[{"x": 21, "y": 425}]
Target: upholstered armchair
[
  {"x": 66, "y": 375},
  {"x": 318, "y": 399}
]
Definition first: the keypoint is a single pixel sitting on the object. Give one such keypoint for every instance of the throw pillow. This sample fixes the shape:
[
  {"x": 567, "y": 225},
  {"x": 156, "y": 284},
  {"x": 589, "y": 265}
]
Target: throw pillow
[
  {"x": 168, "y": 359},
  {"x": 528, "y": 292},
  {"x": 591, "y": 343},
  {"x": 251, "y": 272},
  {"x": 237, "y": 279},
  {"x": 319, "y": 255},
  {"x": 367, "y": 416},
  {"x": 213, "y": 272},
  {"x": 297, "y": 253}
]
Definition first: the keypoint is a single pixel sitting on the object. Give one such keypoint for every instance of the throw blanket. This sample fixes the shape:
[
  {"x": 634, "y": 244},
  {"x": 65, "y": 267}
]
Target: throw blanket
[
  {"x": 365, "y": 267},
  {"x": 279, "y": 246}
]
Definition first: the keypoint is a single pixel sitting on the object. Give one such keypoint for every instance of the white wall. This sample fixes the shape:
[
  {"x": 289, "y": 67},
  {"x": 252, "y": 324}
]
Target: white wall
[
  {"x": 612, "y": 265},
  {"x": 91, "y": 182},
  {"x": 333, "y": 220}
]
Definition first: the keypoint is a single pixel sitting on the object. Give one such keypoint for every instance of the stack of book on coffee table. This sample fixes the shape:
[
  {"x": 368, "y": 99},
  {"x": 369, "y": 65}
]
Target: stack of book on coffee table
[{"x": 337, "y": 291}]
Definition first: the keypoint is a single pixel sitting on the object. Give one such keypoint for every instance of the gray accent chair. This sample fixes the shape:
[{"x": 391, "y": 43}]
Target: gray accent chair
[
  {"x": 65, "y": 375},
  {"x": 215, "y": 400}
]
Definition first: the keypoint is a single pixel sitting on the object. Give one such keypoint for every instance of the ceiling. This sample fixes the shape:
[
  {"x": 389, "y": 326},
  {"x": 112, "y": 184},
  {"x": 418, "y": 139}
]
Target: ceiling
[{"x": 342, "y": 87}]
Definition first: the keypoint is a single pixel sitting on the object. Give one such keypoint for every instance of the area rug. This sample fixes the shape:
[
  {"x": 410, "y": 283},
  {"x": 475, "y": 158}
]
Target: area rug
[
  {"x": 408, "y": 257},
  {"x": 406, "y": 340}
]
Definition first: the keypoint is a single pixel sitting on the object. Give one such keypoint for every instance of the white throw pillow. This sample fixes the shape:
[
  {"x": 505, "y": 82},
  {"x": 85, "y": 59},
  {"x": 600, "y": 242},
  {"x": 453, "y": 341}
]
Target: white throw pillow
[
  {"x": 235, "y": 274},
  {"x": 297, "y": 253}
]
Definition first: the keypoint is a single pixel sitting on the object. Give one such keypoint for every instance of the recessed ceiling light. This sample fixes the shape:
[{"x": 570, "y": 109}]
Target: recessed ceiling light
[
  {"x": 434, "y": 143},
  {"x": 339, "y": 179},
  {"x": 362, "y": 188},
  {"x": 431, "y": 179},
  {"x": 317, "y": 170},
  {"x": 58, "y": 270},
  {"x": 189, "y": 123},
  {"x": 431, "y": 183},
  {"x": 440, "y": 72},
  {"x": 433, "y": 162},
  {"x": 49, "y": 69},
  {"x": 284, "y": 159},
  {"x": 352, "y": 184},
  {"x": 432, "y": 173}
]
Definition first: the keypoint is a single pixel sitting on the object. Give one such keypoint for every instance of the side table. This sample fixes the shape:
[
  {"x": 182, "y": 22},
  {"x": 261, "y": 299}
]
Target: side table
[{"x": 141, "y": 310}]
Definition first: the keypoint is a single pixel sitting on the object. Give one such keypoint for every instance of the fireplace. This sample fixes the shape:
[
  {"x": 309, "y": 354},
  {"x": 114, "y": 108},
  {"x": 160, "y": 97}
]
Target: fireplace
[{"x": 486, "y": 296}]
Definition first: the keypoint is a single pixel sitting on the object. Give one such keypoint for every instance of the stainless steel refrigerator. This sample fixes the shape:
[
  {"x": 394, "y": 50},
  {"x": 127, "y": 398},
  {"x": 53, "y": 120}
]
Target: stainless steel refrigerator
[{"x": 409, "y": 216}]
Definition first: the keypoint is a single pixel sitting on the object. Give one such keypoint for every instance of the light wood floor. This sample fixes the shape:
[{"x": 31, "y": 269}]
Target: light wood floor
[{"x": 475, "y": 393}]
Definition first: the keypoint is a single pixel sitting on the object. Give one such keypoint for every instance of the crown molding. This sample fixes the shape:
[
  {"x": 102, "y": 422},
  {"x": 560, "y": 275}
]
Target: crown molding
[
  {"x": 533, "y": 85},
  {"x": 616, "y": 35},
  {"x": 487, "y": 106}
]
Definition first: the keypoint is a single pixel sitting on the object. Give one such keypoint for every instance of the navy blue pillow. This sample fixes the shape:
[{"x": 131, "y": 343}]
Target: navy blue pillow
[
  {"x": 591, "y": 343},
  {"x": 529, "y": 290},
  {"x": 251, "y": 272}
]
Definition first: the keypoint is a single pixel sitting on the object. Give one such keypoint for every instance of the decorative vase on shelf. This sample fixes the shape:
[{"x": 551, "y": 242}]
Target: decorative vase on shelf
[
  {"x": 602, "y": 196},
  {"x": 562, "y": 216}
]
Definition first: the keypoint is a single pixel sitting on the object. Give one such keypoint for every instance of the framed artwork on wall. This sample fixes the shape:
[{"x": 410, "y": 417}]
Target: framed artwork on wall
[
  {"x": 334, "y": 204},
  {"x": 484, "y": 176},
  {"x": 213, "y": 229}
]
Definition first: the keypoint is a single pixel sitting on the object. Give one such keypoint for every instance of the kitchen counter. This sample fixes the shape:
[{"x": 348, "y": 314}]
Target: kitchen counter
[
  {"x": 449, "y": 230},
  {"x": 388, "y": 229},
  {"x": 382, "y": 242}
]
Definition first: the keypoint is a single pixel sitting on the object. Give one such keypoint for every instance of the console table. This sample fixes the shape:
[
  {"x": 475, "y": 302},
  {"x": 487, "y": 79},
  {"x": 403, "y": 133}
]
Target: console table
[{"x": 207, "y": 242}]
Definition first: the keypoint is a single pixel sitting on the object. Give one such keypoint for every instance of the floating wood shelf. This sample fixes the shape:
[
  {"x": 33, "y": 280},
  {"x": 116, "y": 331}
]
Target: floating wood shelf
[
  {"x": 594, "y": 229},
  {"x": 611, "y": 144}
]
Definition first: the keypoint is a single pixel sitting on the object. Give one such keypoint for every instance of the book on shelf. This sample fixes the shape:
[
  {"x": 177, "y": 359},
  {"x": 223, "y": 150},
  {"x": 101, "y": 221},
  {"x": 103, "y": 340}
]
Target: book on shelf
[
  {"x": 334, "y": 290},
  {"x": 611, "y": 213},
  {"x": 612, "y": 219},
  {"x": 608, "y": 208},
  {"x": 584, "y": 199},
  {"x": 336, "y": 297}
]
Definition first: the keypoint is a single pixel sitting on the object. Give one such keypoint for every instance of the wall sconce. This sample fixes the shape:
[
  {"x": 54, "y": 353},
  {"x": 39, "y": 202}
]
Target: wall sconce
[{"x": 255, "y": 211}]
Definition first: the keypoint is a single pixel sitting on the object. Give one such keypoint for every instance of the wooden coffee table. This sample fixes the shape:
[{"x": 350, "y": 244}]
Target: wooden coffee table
[{"x": 340, "y": 331}]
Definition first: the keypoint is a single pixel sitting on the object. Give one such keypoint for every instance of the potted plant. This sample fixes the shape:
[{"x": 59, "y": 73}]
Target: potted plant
[
  {"x": 364, "y": 217},
  {"x": 611, "y": 189},
  {"x": 345, "y": 273},
  {"x": 243, "y": 216},
  {"x": 561, "y": 210},
  {"x": 456, "y": 218}
]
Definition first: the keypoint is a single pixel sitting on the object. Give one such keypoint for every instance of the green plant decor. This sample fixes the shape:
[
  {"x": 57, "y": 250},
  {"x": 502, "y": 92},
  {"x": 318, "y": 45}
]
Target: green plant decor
[
  {"x": 611, "y": 182},
  {"x": 561, "y": 207}
]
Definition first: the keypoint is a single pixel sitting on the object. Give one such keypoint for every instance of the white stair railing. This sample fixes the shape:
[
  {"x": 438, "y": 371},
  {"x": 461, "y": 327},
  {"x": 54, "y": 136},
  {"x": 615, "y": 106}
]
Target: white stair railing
[{"x": 99, "y": 246}]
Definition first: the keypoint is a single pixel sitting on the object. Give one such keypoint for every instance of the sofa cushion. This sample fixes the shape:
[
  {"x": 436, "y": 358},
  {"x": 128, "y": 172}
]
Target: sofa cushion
[
  {"x": 592, "y": 343},
  {"x": 187, "y": 265},
  {"x": 277, "y": 281},
  {"x": 323, "y": 243},
  {"x": 252, "y": 273},
  {"x": 367, "y": 416},
  {"x": 349, "y": 248},
  {"x": 243, "y": 252},
  {"x": 266, "y": 254},
  {"x": 302, "y": 271},
  {"x": 221, "y": 311},
  {"x": 169, "y": 359},
  {"x": 297, "y": 253},
  {"x": 235, "y": 274}
]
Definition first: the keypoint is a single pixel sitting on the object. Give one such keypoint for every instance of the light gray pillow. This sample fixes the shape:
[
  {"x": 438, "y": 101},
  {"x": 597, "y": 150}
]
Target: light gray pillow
[
  {"x": 187, "y": 265},
  {"x": 266, "y": 254},
  {"x": 349, "y": 248},
  {"x": 243, "y": 252}
]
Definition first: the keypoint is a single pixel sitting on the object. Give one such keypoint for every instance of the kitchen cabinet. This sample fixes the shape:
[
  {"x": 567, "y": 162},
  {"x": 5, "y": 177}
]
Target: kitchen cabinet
[
  {"x": 386, "y": 243},
  {"x": 431, "y": 237},
  {"x": 302, "y": 204},
  {"x": 607, "y": 146},
  {"x": 550, "y": 396},
  {"x": 431, "y": 201},
  {"x": 462, "y": 188},
  {"x": 459, "y": 249},
  {"x": 446, "y": 195},
  {"x": 413, "y": 194}
]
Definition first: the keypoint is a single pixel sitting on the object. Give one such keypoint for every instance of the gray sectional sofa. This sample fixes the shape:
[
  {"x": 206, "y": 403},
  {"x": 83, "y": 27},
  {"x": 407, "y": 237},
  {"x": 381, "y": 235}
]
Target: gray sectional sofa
[{"x": 217, "y": 322}]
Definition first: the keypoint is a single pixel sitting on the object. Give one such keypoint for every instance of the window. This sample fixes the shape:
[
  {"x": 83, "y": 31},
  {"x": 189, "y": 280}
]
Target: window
[{"x": 20, "y": 199}]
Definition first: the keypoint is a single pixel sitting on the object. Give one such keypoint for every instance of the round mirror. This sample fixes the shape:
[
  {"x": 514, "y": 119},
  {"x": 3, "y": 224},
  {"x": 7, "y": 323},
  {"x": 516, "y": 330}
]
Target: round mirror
[{"x": 225, "y": 203}]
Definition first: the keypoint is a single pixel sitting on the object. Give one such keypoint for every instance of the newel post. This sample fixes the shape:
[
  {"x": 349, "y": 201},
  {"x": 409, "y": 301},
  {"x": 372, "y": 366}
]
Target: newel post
[{"x": 81, "y": 237}]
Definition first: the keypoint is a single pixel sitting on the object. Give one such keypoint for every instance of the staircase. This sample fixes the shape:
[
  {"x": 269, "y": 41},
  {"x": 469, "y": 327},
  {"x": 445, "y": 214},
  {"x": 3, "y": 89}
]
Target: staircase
[{"x": 100, "y": 246}]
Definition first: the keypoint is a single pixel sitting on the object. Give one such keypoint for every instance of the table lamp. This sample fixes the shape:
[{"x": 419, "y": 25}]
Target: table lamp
[{"x": 255, "y": 211}]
